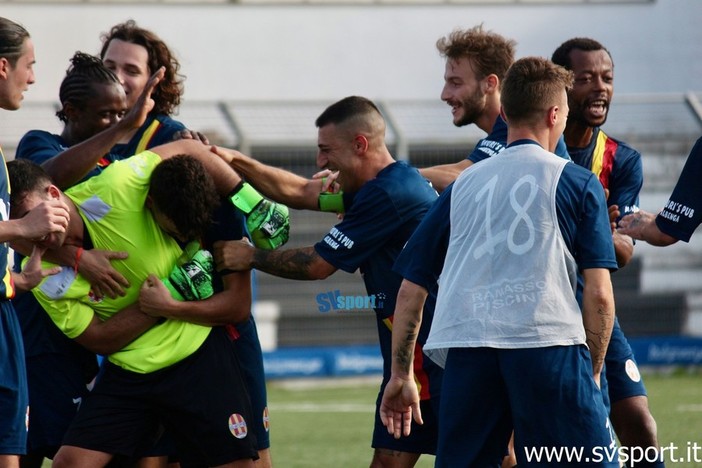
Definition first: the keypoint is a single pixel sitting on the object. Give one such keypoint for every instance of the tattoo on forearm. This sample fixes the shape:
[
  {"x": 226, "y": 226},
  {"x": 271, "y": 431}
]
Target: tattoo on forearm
[
  {"x": 598, "y": 340},
  {"x": 291, "y": 263},
  {"x": 404, "y": 354}
]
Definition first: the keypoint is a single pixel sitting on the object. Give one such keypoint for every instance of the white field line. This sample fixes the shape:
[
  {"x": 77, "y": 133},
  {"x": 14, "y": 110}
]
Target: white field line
[
  {"x": 309, "y": 407},
  {"x": 695, "y": 408}
]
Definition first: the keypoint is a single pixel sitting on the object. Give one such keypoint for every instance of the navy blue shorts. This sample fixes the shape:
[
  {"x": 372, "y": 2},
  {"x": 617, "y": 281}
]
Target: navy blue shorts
[
  {"x": 248, "y": 350},
  {"x": 621, "y": 371},
  {"x": 57, "y": 387},
  {"x": 14, "y": 402},
  {"x": 201, "y": 401},
  {"x": 547, "y": 395}
]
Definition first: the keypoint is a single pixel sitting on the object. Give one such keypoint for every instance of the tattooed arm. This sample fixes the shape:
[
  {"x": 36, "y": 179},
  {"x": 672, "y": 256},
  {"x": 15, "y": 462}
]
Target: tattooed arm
[
  {"x": 303, "y": 263},
  {"x": 401, "y": 399},
  {"x": 598, "y": 315}
]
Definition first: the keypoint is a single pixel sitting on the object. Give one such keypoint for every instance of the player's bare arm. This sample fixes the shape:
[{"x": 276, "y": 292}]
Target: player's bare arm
[
  {"x": 598, "y": 315},
  {"x": 443, "y": 175},
  {"x": 303, "y": 263},
  {"x": 113, "y": 334},
  {"x": 400, "y": 402},
  {"x": 231, "y": 305},
  {"x": 642, "y": 226},
  {"x": 277, "y": 184}
]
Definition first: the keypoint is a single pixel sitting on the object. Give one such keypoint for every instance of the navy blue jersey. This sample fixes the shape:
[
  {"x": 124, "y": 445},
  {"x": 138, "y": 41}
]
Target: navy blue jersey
[
  {"x": 683, "y": 212},
  {"x": 7, "y": 289},
  {"x": 39, "y": 146},
  {"x": 618, "y": 167},
  {"x": 496, "y": 141},
  {"x": 381, "y": 218},
  {"x": 157, "y": 130}
]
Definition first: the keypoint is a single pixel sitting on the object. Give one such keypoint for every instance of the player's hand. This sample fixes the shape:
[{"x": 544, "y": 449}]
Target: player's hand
[
  {"x": 614, "y": 215},
  {"x": 267, "y": 222},
  {"x": 634, "y": 224},
  {"x": 188, "y": 134},
  {"x": 269, "y": 225},
  {"x": 32, "y": 274},
  {"x": 236, "y": 255},
  {"x": 154, "y": 298},
  {"x": 46, "y": 218},
  {"x": 96, "y": 267},
  {"x": 328, "y": 180},
  {"x": 192, "y": 281},
  {"x": 144, "y": 104},
  {"x": 400, "y": 404}
]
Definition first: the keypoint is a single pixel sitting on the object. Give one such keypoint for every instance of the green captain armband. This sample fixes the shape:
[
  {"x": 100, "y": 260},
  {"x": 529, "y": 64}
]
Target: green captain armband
[
  {"x": 267, "y": 222},
  {"x": 331, "y": 202}
]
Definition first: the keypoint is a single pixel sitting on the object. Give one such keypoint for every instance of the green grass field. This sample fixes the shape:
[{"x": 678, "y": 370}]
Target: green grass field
[
  {"x": 328, "y": 423},
  {"x": 323, "y": 424}
]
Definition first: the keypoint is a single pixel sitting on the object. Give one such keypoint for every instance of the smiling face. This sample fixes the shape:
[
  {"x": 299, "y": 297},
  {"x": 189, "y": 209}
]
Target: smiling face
[
  {"x": 592, "y": 91},
  {"x": 105, "y": 109},
  {"x": 336, "y": 153},
  {"x": 17, "y": 78},
  {"x": 130, "y": 62},
  {"x": 462, "y": 91}
]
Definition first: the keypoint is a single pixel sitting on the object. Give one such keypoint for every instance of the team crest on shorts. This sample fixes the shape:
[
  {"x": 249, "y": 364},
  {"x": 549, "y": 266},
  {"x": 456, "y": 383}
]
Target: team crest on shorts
[
  {"x": 266, "y": 419},
  {"x": 632, "y": 370},
  {"x": 237, "y": 426}
]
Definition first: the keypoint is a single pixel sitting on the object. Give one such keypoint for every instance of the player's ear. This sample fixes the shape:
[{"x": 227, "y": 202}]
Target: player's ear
[
  {"x": 53, "y": 191},
  {"x": 490, "y": 84},
  {"x": 360, "y": 144}
]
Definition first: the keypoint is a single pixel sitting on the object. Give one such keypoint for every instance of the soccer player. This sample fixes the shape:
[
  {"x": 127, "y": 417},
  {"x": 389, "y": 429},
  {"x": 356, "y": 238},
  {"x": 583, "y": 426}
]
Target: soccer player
[
  {"x": 229, "y": 306},
  {"x": 508, "y": 329},
  {"x": 681, "y": 214},
  {"x": 134, "y": 54},
  {"x": 390, "y": 199},
  {"x": 148, "y": 377},
  {"x": 51, "y": 217},
  {"x": 476, "y": 63},
  {"x": 618, "y": 167},
  {"x": 93, "y": 103}
]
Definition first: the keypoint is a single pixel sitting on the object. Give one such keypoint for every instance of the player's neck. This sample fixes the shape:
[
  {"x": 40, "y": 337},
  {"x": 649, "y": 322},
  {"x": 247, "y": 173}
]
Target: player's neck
[
  {"x": 488, "y": 118},
  {"x": 577, "y": 135}
]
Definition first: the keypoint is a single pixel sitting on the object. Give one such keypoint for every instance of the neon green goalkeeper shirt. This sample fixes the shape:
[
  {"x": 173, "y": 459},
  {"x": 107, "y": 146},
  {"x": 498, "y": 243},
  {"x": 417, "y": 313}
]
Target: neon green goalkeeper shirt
[{"x": 112, "y": 207}]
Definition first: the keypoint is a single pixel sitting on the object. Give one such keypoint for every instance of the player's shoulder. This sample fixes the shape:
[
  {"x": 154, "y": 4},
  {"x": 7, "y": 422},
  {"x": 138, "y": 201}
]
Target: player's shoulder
[
  {"x": 35, "y": 136},
  {"x": 623, "y": 148}
]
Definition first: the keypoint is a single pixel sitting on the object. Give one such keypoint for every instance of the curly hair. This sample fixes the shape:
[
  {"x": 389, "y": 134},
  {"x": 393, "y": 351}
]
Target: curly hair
[
  {"x": 561, "y": 56},
  {"x": 12, "y": 38},
  {"x": 77, "y": 86},
  {"x": 182, "y": 189},
  {"x": 489, "y": 52},
  {"x": 168, "y": 92}
]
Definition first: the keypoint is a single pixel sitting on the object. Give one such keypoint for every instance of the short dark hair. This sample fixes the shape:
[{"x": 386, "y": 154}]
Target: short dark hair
[
  {"x": 12, "y": 38},
  {"x": 25, "y": 177},
  {"x": 182, "y": 189},
  {"x": 489, "y": 52},
  {"x": 77, "y": 86},
  {"x": 561, "y": 56},
  {"x": 169, "y": 90},
  {"x": 345, "y": 109},
  {"x": 532, "y": 85}
]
